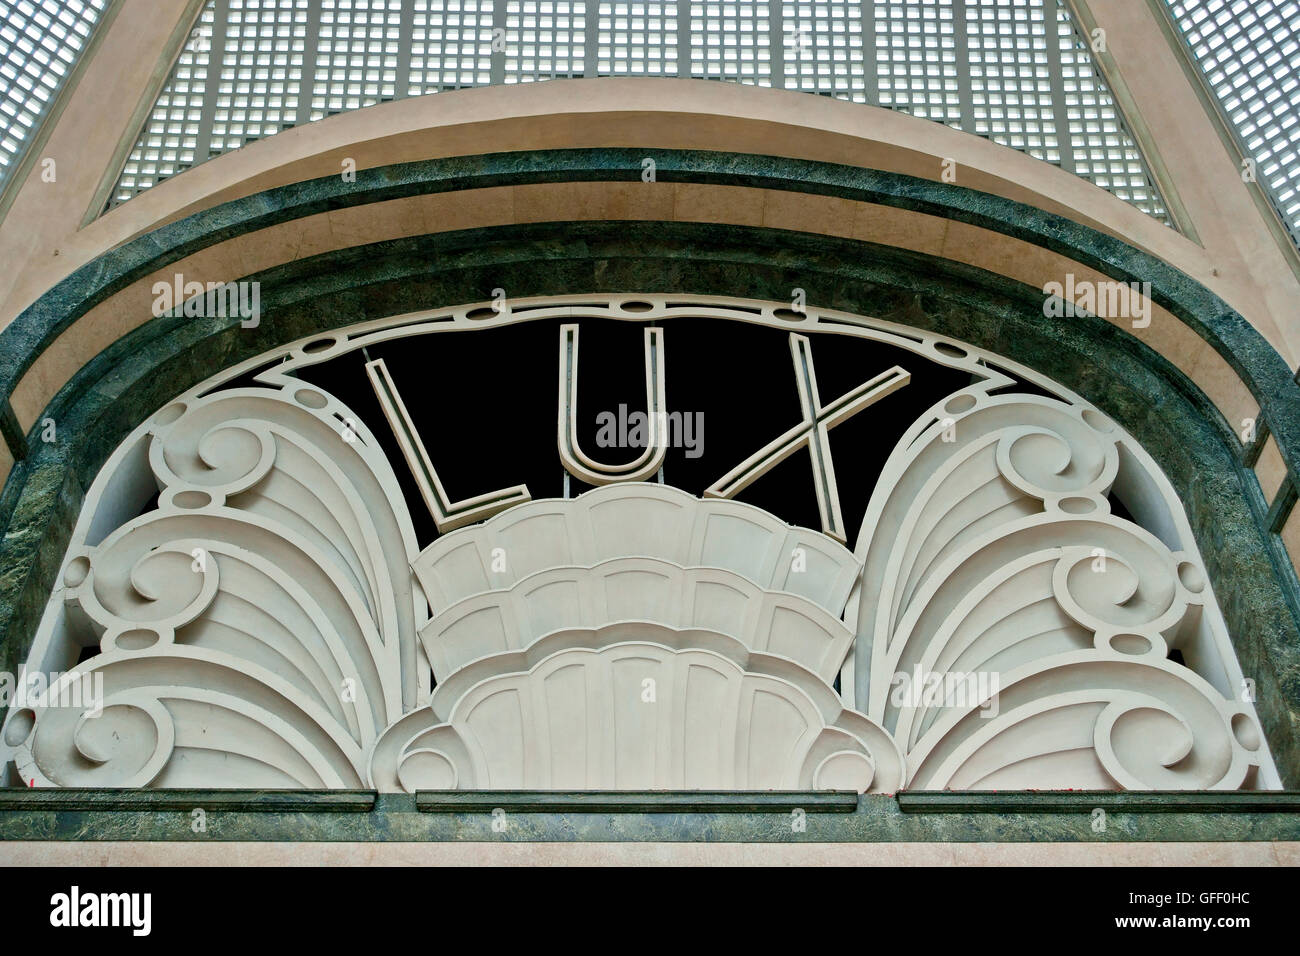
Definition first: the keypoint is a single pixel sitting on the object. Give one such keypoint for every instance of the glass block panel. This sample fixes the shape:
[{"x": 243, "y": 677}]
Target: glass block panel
[
  {"x": 732, "y": 41},
  {"x": 451, "y": 45},
  {"x": 916, "y": 59},
  {"x": 637, "y": 39},
  {"x": 1015, "y": 71},
  {"x": 1011, "y": 84},
  {"x": 1103, "y": 150},
  {"x": 356, "y": 62},
  {"x": 259, "y": 79},
  {"x": 544, "y": 39},
  {"x": 170, "y": 141},
  {"x": 1249, "y": 54},
  {"x": 823, "y": 49},
  {"x": 39, "y": 43}
]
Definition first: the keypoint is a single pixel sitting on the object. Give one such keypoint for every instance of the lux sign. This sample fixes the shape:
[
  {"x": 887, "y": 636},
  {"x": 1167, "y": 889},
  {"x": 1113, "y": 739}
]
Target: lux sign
[{"x": 811, "y": 432}]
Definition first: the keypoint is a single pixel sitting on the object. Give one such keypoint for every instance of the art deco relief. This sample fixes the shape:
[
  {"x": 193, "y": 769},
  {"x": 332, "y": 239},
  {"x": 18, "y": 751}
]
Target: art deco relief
[
  {"x": 998, "y": 554},
  {"x": 271, "y": 621},
  {"x": 637, "y": 705},
  {"x": 259, "y": 627}
]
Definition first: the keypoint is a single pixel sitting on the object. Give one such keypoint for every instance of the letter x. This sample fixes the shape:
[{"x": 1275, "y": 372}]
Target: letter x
[{"x": 813, "y": 431}]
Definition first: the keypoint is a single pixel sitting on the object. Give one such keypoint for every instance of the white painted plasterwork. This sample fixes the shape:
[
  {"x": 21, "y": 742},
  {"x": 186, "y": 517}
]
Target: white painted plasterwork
[{"x": 271, "y": 624}]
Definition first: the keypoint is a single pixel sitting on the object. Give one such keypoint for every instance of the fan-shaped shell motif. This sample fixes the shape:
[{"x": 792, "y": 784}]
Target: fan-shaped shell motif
[
  {"x": 636, "y": 589},
  {"x": 995, "y": 556},
  {"x": 636, "y": 706},
  {"x": 632, "y": 518}
]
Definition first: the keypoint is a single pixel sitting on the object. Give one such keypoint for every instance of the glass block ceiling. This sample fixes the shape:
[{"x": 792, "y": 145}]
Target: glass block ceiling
[
  {"x": 39, "y": 42},
  {"x": 1016, "y": 72},
  {"x": 1249, "y": 54}
]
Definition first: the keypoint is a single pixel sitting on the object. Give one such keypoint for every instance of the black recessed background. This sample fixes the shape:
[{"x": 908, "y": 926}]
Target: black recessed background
[{"x": 485, "y": 404}]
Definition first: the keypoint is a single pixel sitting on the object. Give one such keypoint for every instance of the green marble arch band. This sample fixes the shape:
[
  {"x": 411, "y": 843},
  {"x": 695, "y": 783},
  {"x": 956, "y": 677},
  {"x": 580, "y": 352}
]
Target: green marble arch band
[
  {"x": 362, "y": 816},
  {"x": 1168, "y": 414}
]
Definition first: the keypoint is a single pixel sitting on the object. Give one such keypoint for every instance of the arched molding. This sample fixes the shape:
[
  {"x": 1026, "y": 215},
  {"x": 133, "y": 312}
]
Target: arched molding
[
  {"x": 638, "y": 113},
  {"x": 1211, "y": 343}
]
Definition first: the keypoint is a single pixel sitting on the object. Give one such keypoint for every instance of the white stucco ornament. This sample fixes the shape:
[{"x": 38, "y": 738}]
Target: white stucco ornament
[
  {"x": 636, "y": 706},
  {"x": 270, "y": 621}
]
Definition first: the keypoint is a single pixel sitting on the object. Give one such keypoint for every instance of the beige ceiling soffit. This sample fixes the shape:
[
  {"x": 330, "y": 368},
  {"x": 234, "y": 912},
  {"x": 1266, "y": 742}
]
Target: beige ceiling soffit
[
  {"x": 696, "y": 114},
  {"x": 1227, "y": 134},
  {"x": 1128, "y": 108},
  {"x": 51, "y": 119},
  {"x": 162, "y": 69}
]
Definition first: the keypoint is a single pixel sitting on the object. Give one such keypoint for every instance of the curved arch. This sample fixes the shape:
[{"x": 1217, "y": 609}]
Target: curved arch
[
  {"x": 1018, "y": 241},
  {"x": 643, "y": 112},
  {"x": 1122, "y": 375}
]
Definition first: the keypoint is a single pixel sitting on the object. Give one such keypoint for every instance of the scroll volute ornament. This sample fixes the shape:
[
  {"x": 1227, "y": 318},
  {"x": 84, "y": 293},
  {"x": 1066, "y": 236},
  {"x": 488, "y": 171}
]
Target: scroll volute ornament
[{"x": 990, "y": 549}]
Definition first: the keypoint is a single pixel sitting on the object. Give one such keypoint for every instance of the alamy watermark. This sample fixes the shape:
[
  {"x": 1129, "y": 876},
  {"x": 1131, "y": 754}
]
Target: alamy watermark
[
  {"x": 624, "y": 429},
  {"x": 1108, "y": 299},
  {"x": 75, "y": 908},
  {"x": 211, "y": 300},
  {"x": 961, "y": 689},
  {"x": 35, "y": 689}
]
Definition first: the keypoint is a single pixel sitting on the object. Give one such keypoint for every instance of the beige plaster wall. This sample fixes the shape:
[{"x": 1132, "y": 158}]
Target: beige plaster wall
[
  {"x": 650, "y": 854},
  {"x": 1206, "y": 175},
  {"x": 1291, "y": 537},
  {"x": 1270, "y": 469}
]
